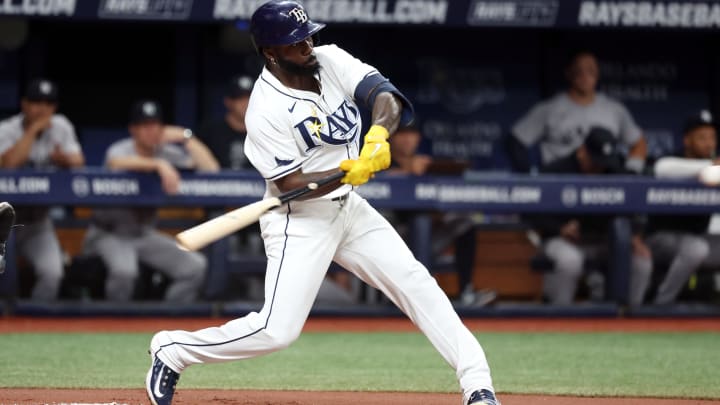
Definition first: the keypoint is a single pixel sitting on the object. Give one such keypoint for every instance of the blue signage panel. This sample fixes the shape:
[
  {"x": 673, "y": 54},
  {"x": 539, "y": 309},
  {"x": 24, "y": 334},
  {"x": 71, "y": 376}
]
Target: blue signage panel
[
  {"x": 658, "y": 14},
  {"x": 478, "y": 192}
]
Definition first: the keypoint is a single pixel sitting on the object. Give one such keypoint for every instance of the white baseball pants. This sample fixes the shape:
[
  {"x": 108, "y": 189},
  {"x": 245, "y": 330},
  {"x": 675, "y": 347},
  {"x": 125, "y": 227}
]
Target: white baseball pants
[{"x": 301, "y": 240}]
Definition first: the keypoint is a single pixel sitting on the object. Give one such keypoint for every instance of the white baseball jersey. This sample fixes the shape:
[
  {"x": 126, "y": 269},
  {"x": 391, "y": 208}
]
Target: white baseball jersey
[{"x": 289, "y": 129}]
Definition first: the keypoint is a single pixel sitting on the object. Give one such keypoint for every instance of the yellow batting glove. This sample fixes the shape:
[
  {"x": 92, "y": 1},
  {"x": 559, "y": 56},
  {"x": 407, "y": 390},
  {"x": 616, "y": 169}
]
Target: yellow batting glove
[
  {"x": 376, "y": 149},
  {"x": 357, "y": 171}
]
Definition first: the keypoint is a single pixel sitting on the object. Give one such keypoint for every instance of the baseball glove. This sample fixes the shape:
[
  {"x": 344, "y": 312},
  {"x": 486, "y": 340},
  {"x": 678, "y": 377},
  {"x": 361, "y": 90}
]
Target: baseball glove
[{"x": 7, "y": 220}]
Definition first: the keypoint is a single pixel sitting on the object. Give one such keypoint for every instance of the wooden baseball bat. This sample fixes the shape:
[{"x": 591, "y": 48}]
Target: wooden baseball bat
[{"x": 203, "y": 234}]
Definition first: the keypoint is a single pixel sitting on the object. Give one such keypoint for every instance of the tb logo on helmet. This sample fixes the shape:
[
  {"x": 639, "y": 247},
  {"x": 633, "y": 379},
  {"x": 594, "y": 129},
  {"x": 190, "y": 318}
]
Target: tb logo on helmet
[
  {"x": 281, "y": 22},
  {"x": 299, "y": 14}
]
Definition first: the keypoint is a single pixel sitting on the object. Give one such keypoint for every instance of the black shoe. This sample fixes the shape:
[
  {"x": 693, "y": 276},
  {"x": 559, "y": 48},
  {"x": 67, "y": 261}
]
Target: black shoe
[
  {"x": 483, "y": 397},
  {"x": 160, "y": 382}
]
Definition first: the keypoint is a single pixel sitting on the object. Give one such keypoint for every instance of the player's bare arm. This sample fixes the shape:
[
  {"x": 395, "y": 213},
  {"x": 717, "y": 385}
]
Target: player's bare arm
[
  {"x": 639, "y": 149},
  {"x": 202, "y": 157},
  {"x": 386, "y": 111},
  {"x": 18, "y": 154},
  {"x": 299, "y": 179},
  {"x": 135, "y": 163},
  {"x": 169, "y": 176},
  {"x": 66, "y": 160}
]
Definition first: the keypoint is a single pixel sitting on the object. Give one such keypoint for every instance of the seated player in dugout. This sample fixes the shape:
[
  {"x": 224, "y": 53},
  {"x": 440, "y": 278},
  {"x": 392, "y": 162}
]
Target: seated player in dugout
[
  {"x": 558, "y": 125},
  {"x": 571, "y": 241},
  {"x": 40, "y": 138},
  {"x": 125, "y": 237},
  {"x": 452, "y": 230},
  {"x": 685, "y": 242},
  {"x": 225, "y": 136}
]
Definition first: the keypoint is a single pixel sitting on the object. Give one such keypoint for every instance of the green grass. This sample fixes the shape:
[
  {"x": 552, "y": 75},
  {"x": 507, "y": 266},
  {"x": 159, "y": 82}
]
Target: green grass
[{"x": 607, "y": 364}]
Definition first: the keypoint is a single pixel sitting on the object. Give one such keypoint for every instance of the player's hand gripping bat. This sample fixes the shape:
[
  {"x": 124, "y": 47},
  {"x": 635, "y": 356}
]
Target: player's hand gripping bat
[{"x": 201, "y": 235}]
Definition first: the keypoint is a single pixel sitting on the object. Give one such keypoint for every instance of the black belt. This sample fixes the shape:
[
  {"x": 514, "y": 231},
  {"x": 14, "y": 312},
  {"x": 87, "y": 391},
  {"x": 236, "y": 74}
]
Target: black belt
[{"x": 341, "y": 199}]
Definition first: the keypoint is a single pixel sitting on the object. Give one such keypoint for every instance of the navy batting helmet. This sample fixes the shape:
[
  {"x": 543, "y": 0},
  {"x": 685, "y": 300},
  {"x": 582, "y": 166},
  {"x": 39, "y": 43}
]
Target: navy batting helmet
[{"x": 281, "y": 22}]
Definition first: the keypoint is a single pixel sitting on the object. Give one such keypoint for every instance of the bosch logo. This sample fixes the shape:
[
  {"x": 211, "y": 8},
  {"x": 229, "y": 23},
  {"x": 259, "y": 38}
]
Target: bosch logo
[
  {"x": 81, "y": 186},
  {"x": 569, "y": 196}
]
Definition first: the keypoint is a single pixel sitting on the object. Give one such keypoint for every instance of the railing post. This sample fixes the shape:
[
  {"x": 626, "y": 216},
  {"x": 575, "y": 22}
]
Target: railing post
[{"x": 620, "y": 258}]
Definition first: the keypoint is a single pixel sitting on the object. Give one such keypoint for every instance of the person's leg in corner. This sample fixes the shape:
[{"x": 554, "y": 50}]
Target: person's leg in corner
[
  {"x": 38, "y": 243},
  {"x": 691, "y": 252},
  {"x": 561, "y": 283},
  {"x": 465, "y": 250},
  {"x": 186, "y": 270},
  {"x": 120, "y": 258}
]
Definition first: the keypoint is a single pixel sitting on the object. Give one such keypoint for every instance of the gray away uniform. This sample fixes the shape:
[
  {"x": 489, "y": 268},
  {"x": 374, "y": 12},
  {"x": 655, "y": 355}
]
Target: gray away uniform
[
  {"x": 561, "y": 125},
  {"x": 125, "y": 237},
  {"x": 36, "y": 239}
]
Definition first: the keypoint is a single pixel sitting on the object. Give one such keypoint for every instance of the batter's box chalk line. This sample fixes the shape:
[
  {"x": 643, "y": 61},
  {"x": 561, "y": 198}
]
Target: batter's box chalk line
[{"x": 87, "y": 403}]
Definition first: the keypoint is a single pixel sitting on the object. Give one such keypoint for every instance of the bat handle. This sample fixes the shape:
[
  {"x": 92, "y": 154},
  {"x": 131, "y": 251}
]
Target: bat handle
[{"x": 293, "y": 194}]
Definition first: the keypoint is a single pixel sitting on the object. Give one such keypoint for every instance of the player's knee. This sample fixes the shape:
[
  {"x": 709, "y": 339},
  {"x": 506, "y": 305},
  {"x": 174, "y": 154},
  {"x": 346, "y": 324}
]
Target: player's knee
[
  {"x": 49, "y": 270},
  {"x": 569, "y": 263},
  {"x": 48, "y": 264},
  {"x": 194, "y": 267},
  {"x": 279, "y": 339},
  {"x": 122, "y": 269},
  {"x": 694, "y": 247}
]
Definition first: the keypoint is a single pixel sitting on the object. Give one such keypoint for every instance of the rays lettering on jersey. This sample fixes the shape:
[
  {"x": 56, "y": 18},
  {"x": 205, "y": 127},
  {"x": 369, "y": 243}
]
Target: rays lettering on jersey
[{"x": 341, "y": 128}]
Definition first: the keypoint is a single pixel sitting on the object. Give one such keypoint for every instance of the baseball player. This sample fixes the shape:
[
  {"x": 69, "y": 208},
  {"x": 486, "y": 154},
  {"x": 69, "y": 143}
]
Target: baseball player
[
  {"x": 560, "y": 124},
  {"x": 303, "y": 122},
  {"x": 125, "y": 237},
  {"x": 40, "y": 138},
  {"x": 685, "y": 241}
]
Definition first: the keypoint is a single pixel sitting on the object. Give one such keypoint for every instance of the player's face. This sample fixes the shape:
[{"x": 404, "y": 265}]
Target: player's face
[
  {"x": 147, "y": 134},
  {"x": 237, "y": 106},
  {"x": 701, "y": 143},
  {"x": 298, "y": 58},
  {"x": 34, "y": 110},
  {"x": 583, "y": 73}
]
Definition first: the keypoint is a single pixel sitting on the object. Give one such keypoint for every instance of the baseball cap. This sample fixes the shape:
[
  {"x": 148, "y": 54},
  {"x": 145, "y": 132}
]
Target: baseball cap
[
  {"x": 145, "y": 110},
  {"x": 42, "y": 90},
  {"x": 698, "y": 119},
  {"x": 602, "y": 146},
  {"x": 239, "y": 86}
]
